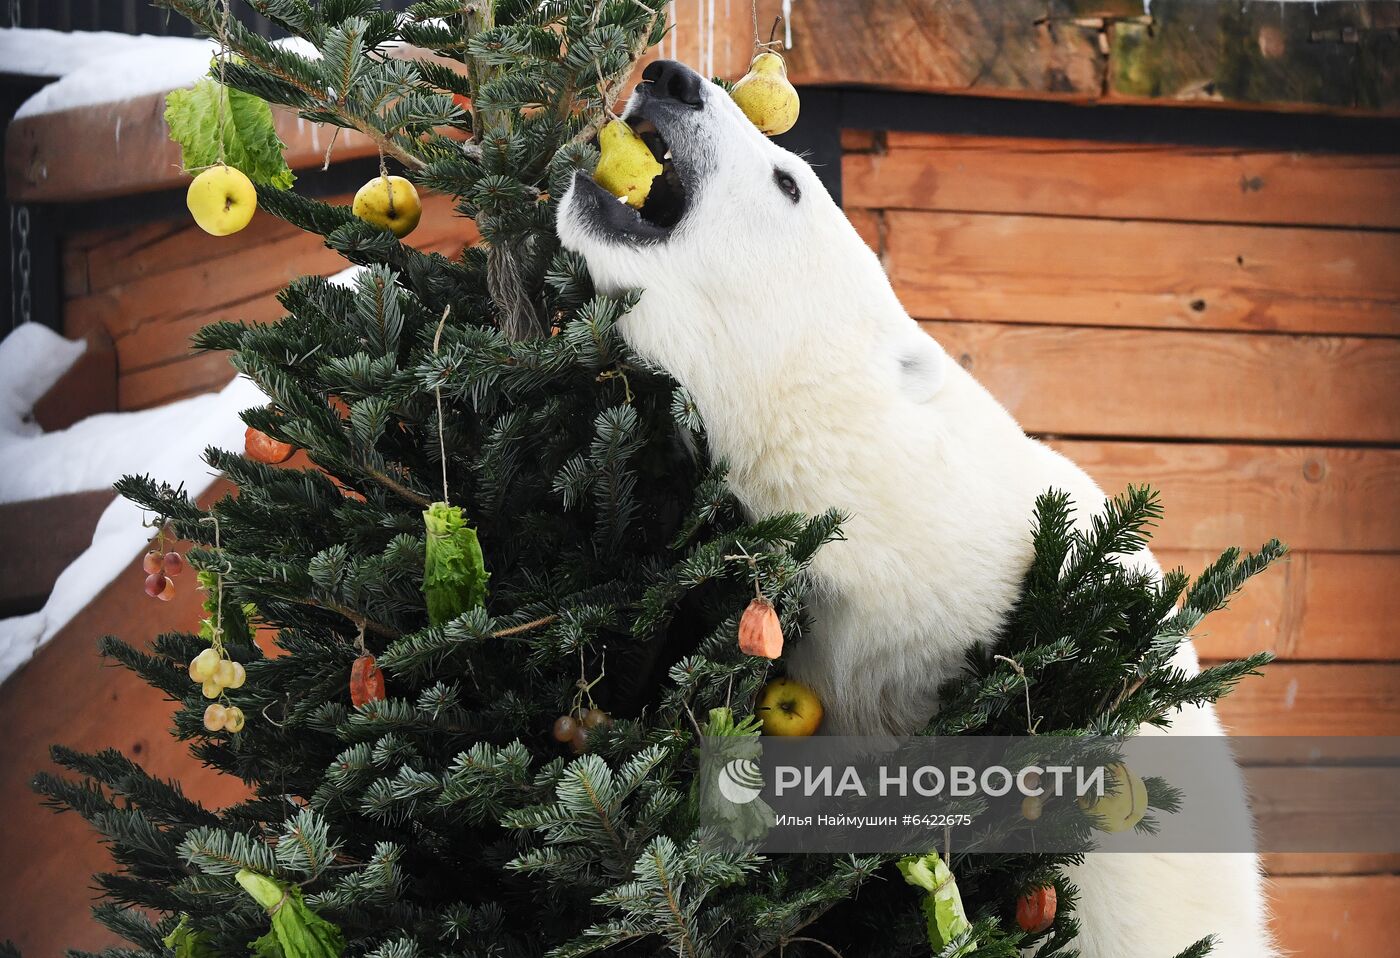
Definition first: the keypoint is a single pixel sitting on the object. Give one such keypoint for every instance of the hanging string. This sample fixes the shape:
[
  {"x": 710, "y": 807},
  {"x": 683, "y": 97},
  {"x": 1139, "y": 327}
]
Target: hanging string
[
  {"x": 388, "y": 187},
  {"x": 222, "y": 60},
  {"x": 217, "y": 638},
  {"x": 758, "y": 43},
  {"x": 437, "y": 394}
]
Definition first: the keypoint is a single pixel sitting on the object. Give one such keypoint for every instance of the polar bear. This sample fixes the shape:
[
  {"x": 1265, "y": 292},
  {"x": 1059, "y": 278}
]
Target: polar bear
[{"x": 819, "y": 391}]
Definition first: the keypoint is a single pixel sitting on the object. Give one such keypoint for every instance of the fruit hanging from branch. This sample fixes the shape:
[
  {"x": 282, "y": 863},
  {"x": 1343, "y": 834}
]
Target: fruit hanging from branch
[
  {"x": 366, "y": 681},
  {"x": 260, "y": 447},
  {"x": 766, "y": 96},
  {"x": 230, "y": 136},
  {"x": 788, "y": 708},
  {"x": 945, "y": 918},
  {"x": 1123, "y": 803},
  {"x": 626, "y": 166},
  {"x": 454, "y": 571},
  {"x": 222, "y": 200},
  {"x": 1035, "y": 910},
  {"x": 390, "y": 203},
  {"x": 760, "y": 632}
]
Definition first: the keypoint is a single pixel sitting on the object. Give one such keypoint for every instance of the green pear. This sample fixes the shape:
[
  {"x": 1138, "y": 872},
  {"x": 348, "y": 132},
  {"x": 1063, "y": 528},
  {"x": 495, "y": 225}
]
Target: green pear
[
  {"x": 766, "y": 96},
  {"x": 626, "y": 167}
]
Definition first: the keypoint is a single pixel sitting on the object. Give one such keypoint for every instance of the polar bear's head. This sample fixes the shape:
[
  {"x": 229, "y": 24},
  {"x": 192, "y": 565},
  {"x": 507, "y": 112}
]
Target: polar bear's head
[{"x": 741, "y": 254}]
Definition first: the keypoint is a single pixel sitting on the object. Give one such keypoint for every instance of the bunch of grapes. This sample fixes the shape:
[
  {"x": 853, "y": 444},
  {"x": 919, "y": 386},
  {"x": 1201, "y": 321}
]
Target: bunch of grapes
[
  {"x": 161, "y": 571},
  {"x": 215, "y": 672}
]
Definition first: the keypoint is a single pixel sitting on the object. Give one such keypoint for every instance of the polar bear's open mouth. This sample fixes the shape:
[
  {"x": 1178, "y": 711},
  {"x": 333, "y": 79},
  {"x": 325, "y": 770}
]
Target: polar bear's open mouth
[{"x": 666, "y": 202}]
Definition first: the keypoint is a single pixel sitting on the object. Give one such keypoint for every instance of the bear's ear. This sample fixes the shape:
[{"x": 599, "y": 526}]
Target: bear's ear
[{"x": 921, "y": 367}]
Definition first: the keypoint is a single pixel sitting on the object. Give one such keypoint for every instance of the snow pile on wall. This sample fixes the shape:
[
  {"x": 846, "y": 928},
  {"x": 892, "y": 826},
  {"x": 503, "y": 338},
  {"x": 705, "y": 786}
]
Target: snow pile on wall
[
  {"x": 166, "y": 443},
  {"x": 32, "y": 358},
  {"x": 96, "y": 67},
  {"x": 100, "y": 67}
]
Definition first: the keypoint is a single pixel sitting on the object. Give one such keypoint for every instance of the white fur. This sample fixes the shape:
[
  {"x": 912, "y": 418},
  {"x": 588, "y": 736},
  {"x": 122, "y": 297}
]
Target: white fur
[{"x": 819, "y": 391}]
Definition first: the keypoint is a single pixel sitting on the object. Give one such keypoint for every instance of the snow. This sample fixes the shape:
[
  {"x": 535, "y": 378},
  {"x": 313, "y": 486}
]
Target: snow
[
  {"x": 32, "y": 358},
  {"x": 96, "y": 67},
  {"x": 100, "y": 67},
  {"x": 166, "y": 443}
]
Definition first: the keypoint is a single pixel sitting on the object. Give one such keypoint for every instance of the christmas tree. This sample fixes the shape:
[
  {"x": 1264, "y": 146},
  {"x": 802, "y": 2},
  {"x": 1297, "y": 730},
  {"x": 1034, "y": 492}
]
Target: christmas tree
[{"x": 505, "y": 600}]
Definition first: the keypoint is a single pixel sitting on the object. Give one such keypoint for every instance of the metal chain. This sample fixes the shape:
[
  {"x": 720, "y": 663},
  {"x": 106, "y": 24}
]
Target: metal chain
[{"x": 21, "y": 306}]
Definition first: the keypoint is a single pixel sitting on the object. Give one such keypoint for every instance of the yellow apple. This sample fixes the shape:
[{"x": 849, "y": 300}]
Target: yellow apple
[
  {"x": 1124, "y": 808},
  {"x": 390, "y": 203},
  {"x": 222, "y": 200},
  {"x": 787, "y": 707}
]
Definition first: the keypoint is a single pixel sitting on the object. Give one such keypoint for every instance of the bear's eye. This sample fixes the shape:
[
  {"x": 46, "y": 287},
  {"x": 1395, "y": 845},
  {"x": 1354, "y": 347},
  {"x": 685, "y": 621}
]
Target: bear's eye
[{"x": 788, "y": 185}]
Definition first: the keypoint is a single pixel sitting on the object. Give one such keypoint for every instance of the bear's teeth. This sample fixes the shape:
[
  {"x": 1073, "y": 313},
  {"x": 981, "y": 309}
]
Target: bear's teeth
[{"x": 667, "y": 156}]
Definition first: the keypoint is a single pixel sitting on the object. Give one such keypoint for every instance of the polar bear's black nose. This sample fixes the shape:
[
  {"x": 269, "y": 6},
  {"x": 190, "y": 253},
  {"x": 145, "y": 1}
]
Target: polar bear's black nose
[{"x": 674, "y": 80}]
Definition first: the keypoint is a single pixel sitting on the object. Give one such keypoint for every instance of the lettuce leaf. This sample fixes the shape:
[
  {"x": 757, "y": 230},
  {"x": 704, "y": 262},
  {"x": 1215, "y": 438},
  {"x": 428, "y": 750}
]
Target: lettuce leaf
[
  {"x": 250, "y": 137},
  {"x": 454, "y": 571}
]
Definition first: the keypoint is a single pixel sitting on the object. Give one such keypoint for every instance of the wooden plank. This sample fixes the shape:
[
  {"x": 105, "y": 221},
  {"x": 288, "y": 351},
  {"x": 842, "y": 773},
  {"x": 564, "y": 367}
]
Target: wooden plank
[
  {"x": 868, "y": 224},
  {"x": 1044, "y": 269},
  {"x": 170, "y": 244},
  {"x": 1197, "y": 384},
  {"x": 160, "y": 343},
  {"x": 1124, "y": 181},
  {"x": 858, "y": 141},
  {"x": 1351, "y": 808},
  {"x": 240, "y": 274},
  {"x": 1316, "y": 699},
  {"x": 1312, "y": 606},
  {"x": 180, "y": 243},
  {"x": 961, "y": 45},
  {"x": 38, "y": 540},
  {"x": 1340, "y": 54},
  {"x": 1219, "y": 495},
  {"x": 1336, "y": 915},
  {"x": 162, "y": 384},
  {"x": 1331, "y": 863},
  {"x": 173, "y": 275}
]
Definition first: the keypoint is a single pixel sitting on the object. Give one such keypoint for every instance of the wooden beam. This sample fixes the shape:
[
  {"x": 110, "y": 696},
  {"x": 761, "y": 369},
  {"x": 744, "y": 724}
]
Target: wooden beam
[
  {"x": 1140, "y": 181},
  {"x": 1315, "y": 606},
  {"x": 1184, "y": 385},
  {"x": 1075, "y": 271},
  {"x": 1336, "y": 914},
  {"x": 1007, "y": 47},
  {"x": 1314, "y": 498},
  {"x": 1336, "y": 56},
  {"x": 1332, "y": 55},
  {"x": 1316, "y": 699}
]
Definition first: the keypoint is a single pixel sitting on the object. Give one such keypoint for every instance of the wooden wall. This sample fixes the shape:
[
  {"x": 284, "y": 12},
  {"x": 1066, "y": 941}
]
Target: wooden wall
[
  {"x": 150, "y": 287},
  {"x": 1222, "y": 324}
]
